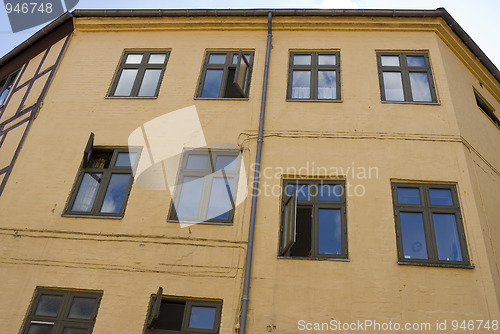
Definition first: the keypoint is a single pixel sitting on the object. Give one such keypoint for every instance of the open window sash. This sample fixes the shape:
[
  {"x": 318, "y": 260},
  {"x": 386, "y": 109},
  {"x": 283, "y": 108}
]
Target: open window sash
[
  {"x": 88, "y": 150},
  {"x": 242, "y": 74},
  {"x": 288, "y": 222},
  {"x": 155, "y": 309}
]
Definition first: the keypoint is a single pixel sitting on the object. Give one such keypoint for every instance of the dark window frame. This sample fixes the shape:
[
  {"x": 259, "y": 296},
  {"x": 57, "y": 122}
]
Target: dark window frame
[
  {"x": 226, "y": 67},
  {"x": 6, "y": 85},
  {"x": 486, "y": 108},
  {"x": 427, "y": 210},
  {"x": 405, "y": 70},
  {"x": 61, "y": 320},
  {"x": 315, "y": 204},
  {"x": 142, "y": 67},
  {"x": 154, "y": 312},
  {"x": 314, "y": 68},
  {"x": 208, "y": 174},
  {"x": 107, "y": 172}
]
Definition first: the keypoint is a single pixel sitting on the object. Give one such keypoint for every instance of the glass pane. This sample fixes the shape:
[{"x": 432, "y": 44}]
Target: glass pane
[
  {"x": 217, "y": 59},
  {"x": 117, "y": 189},
  {"x": 133, "y": 59},
  {"x": 413, "y": 234},
  {"x": 4, "y": 94},
  {"x": 415, "y": 61},
  {"x": 171, "y": 316},
  {"x": 327, "y": 60},
  {"x": 81, "y": 308},
  {"x": 330, "y": 192},
  {"x": 149, "y": 83},
  {"x": 420, "y": 89},
  {"x": 447, "y": 239},
  {"x": 440, "y": 197},
  {"x": 157, "y": 59},
  {"x": 302, "y": 191},
  {"x": 86, "y": 194},
  {"x": 327, "y": 85},
  {"x": 74, "y": 331},
  {"x": 329, "y": 231},
  {"x": 220, "y": 198},
  {"x": 197, "y": 161},
  {"x": 390, "y": 60},
  {"x": 226, "y": 162},
  {"x": 125, "y": 159},
  {"x": 211, "y": 85},
  {"x": 202, "y": 317},
  {"x": 301, "y": 85},
  {"x": 302, "y": 59},
  {"x": 48, "y": 305},
  {"x": 40, "y": 329},
  {"x": 8, "y": 85},
  {"x": 126, "y": 82},
  {"x": 393, "y": 86},
  {"x": 235, "y": 58},
  {"x": 408, "y": 195},
  {"x": 190, "y": 196}
]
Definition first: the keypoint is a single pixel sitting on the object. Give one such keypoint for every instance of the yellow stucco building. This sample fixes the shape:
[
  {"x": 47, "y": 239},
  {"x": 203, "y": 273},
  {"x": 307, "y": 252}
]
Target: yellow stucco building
[{"x": 232, "y": 171}]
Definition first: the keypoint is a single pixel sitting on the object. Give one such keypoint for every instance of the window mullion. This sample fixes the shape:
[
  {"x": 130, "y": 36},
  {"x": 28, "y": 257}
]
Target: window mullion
[
  {"x": 429, "y": 225},
  {"x": 101, "y": 191},
  {"x": 205, "y": 197},
  {"x": 224, "y": 81},
  {"x": 405, "y": 74},
  {"x": 314, "y": 222},
  {"x": 138, "y": 80},
  {"x": 343, "y": 226},
  {"x": 314, "y": 83},
  {"x": 399, "y": 234}
]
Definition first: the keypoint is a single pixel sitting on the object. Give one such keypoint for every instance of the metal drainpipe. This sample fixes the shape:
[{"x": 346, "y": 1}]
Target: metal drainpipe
[{"x": 255, "y": 187}]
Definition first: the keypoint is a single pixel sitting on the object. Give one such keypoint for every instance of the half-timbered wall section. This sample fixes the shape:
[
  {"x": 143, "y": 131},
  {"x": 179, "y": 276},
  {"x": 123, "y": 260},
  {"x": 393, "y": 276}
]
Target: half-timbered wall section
[{"x": 23, "y": 89}]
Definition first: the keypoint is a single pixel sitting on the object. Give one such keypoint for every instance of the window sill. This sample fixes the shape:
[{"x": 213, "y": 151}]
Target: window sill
[
  {"x": 418, "y": 103},
  {"x": 315, "y": 258},
  {"x": 223, "y": 98},
  {"x": 198, "y": 222},
  {"x": 132, "y": 97},
  {"x": 69, "y": 215},
  {"x": 306, "y": 100},
  {"x": 441, "y": 265}
]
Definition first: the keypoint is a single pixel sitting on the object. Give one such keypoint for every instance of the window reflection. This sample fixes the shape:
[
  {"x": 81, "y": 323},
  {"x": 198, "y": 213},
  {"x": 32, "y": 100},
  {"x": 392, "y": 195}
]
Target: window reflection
[
  {"x": 126, "y": 82},
  {"x": 211, "y": 86},
  {"x": 115, "y": 195},
  {"x": 202, "y": 317},
  {"x": 393, "y": 86},
  {"x": 448, "y": 243},
  {"x": 87, "y": 192},
  {"x": 420, "y": 90},
  {"x": 301, "y": 84},
  {"x": 412, "y": 229},
  {"x": 327, "y": 85},
  {"x": 190, "y": 196},
  {"x": 329, "y": 236},
  {"x": 149, "y": 83}
]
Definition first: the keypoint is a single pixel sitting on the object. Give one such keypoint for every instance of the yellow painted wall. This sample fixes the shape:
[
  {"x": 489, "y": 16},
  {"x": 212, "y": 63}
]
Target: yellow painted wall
[{"x": 127, "y": 259}]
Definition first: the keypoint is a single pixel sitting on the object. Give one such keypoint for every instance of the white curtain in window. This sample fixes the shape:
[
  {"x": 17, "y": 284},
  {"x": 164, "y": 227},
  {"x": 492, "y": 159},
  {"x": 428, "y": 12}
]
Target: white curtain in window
[
  {"x": 300, "y": 92},
  {"x": 86, "y": 194},
  {"x": 327, "y": 93}
]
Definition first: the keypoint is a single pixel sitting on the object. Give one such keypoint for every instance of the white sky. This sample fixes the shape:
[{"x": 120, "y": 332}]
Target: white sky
[{"x": 478, "y": 18}]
